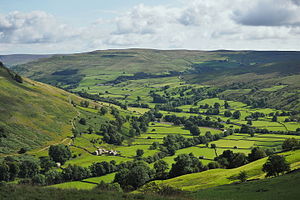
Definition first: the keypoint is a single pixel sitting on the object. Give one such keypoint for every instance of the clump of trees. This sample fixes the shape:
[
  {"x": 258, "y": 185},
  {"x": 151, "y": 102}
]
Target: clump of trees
[
  {"x": 256, "y": 153},
  {"x": 290, "y": 144},
  {"x": 11, "y": 169},
  {"x": 113, "y": 131},
  {"x": 192, "y": 120},
  {"x": 185, "y": 164},
  {"x": 60, "y": 153},
  {"x": 84, "y": 104},
  {"x": 230, "y": 160},
  {"x": 134, "y": 176},
  {"x": 276, "y": 165}
]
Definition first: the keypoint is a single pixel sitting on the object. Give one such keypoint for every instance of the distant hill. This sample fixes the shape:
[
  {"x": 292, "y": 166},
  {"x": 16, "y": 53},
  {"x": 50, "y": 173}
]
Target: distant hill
[
  {"x": 272, "y": 77},
  {"x": 15, "y": 59},
  {"x": 32, "y": 114}
]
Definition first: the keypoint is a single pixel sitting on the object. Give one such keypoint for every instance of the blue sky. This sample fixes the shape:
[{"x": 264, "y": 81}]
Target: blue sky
[
  {"x": 66, "y": 26},
  {"x": 78, "y": 12}
]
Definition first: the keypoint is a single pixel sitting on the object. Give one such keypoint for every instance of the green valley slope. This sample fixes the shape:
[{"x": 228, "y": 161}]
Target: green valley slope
[
  {"x": 216, "y": 177},
  {"x": 32, "y": 114}
]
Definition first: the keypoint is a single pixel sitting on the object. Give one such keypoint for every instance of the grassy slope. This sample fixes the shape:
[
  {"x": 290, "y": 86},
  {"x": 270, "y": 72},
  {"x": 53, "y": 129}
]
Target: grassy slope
[
  {"x": 15, "y": 59},
  {"x": 282, "y": 187},
  {"x": 29, "y": 192},
  {"x": 33, "y": 114},
  {"x": 216, "y": 177}
]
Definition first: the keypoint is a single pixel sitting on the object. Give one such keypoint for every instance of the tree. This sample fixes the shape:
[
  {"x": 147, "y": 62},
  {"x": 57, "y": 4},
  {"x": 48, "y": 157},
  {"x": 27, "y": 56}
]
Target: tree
[
  {"x": 14, "y": 170},
  {"x": 84, "y": 104},
  {"x": 194, "y": 130},
  {"x": 28, "y": 169},
  {"x": 217, "y": 105},
  {"x": 53, "y": 177},
  {"x": 242, "y": 176},
  {"x": 46, "y": 163},
  {"x": 256, "y": 153},
  {"x": 213, "y": 165},
  {"x": 74, "y": 172},
  {"x": 82, "y": 121},
  {"x": 103, "y": 110},
  {"x": 4, "y": 172},
  {"x": 227, "y": 113},
  {"x": 226, "y": 105},
  {"x": 39, "y": 179},
  {"x": 22, "y": 150},
  {"x": 185, "y": 164},
  {"x": 139, "y": 153},
  {"x": 18, "y": 78},
  {"x": 160, "y": 168},
  {"x": 290, "y": 144},
  {"x": 236, "y": 114},
  {"x": 214, "y": 146},
  {"x": 59, "y": 153},
  {"x": 102, "y": 186},
  {"x": 90, "y": 130},
  {"x": 3, "y": 134},
  {"x": 238, "y": 160},
  {"x": 276, "y": 165},
  {"x": 229, "y": 160},
  {"x": 154, "y": 145},
  {"x": 139, "y": 174}
]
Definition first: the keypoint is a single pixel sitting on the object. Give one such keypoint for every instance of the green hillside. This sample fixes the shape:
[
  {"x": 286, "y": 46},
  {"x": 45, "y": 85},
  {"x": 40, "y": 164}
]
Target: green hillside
[
  {"x": 283, "y": 187},
  {"x": 216, "y": 177},
  {"x": 15, "y": 59},
  {"x": 271, "y": 77},
  {"x": 32, "y": 114}
]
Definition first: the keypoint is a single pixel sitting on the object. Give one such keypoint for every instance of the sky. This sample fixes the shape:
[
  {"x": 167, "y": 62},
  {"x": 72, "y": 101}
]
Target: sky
[{"x": 71, "y": 26}]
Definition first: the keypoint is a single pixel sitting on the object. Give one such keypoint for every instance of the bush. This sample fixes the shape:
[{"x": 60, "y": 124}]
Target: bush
[
  {"x": 164, "y": 190},
  {"x": 22, "y": 150},
  {"x": 213, "y": 165},
  {"x": 242, "y": 176},
  {"x": 39, "y": 179},
  {"x": 109, "y": 187}
]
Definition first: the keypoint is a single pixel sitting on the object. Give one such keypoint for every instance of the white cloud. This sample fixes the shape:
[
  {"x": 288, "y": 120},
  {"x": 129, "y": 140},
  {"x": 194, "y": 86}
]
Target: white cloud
[
  {"x": 270, "y": 13},
  {"x": 33, "y": 27},
  {"x": 196, "y": 24}
]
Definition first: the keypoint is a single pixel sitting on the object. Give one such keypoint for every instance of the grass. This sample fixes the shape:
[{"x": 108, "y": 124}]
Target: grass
[
  {"x": 33, "y": 114},
  {"x": 74, "y": 185},
  {"x": 86, "y": 184},
  {"x": 282, "y": 187},
  {"x": 216, "y": 177},
  {"x": 12, "y": 192},
  {"x": 274, "y": 88}
]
